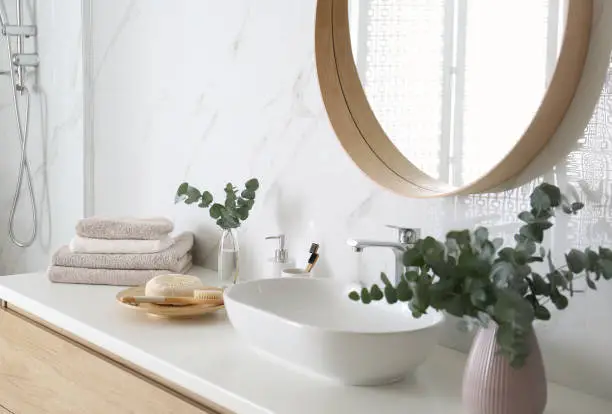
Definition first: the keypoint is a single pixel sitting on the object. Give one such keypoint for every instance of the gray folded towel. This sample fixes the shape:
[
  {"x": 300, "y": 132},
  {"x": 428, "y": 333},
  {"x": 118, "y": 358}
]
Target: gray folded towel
[
  {"x": 153, "y": 228},
  {"x": 173, "y": 258},
  {"x": 115, "y": 277}
]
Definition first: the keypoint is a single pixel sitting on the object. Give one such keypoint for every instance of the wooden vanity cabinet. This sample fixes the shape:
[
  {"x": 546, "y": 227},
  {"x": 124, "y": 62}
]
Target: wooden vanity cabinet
[{"x": 46, "y": 371}]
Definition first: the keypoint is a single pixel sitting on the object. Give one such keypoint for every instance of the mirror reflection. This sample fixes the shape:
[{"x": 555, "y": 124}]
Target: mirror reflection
[{"x": 455, "y": 83}]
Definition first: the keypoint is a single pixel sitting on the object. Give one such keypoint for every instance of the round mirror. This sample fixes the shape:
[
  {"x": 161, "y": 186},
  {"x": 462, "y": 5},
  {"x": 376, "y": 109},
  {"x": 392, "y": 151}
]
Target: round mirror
[{"x": 435, "y": 97}]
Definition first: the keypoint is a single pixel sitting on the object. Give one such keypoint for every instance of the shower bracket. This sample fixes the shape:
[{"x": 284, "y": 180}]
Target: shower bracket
[
  {"x": 23, "y": 30},
  {"x": 26, "y": 59}
]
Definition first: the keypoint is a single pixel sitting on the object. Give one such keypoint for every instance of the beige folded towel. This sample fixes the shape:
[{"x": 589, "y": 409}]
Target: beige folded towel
[
  {"x": 172, "y": 259},
  {"x": 80, "y": 244},
  {"x": 133, "y": 228},
  {"x": 115, "y": 277}
]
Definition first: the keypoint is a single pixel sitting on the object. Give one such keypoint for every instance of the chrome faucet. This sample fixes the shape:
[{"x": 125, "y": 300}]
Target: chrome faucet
[{"x": 406, "y": 237}]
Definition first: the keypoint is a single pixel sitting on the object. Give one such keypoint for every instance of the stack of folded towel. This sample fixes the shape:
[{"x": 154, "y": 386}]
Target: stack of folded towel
[{"x": 121, "y": 251}]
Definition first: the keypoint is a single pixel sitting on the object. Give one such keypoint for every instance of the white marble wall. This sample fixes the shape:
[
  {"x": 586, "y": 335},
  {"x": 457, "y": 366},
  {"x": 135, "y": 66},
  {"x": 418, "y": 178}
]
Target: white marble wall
[
  {"x": 55, "y": 145},
  {"x": 216, "y": 91}
]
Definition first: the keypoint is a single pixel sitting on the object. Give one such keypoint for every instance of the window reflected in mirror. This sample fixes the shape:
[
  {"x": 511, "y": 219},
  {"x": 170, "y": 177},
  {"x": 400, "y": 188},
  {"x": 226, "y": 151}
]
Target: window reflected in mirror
[{"x": 455, "y": 83}]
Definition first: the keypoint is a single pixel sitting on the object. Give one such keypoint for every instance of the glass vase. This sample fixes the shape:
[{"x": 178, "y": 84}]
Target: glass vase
[{"x": 228, "y": 258}]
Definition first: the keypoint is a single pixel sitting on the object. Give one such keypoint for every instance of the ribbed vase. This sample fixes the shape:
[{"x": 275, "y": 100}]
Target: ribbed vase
[{"x": 492, "y": 386}]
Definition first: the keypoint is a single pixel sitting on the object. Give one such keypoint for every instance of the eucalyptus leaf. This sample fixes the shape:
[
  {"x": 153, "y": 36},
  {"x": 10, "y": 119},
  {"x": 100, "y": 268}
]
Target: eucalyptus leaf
[
  {"x": 207, "y": 199},
  {"x": 243, "y": 213},
  {"x": 248, "y": 194},
  {"x": 507, "y": 254},
  {"x": 540, "y": 286},
  {"x": 376, "y": 293},
  {"x": 542, "y": 313},
  {"x": 553, "y": 193},
  {"x": 560, "y": 302},
  {"x": 182, "y": 189},
  {"x": 411, "y": 276},
  {"x": 557, "y": 279},
  {"x": 606, "y": 268},
  {"x": 503, "y": 273},
  {"x": 532, "y": 232},
  {"x": 215, "y": 210},
  {"x": 421, "y": 295},
  {"x": 498, "y": 243},
  {"x": 593, "y": 258},
  {"x": 390, "y": 294},
  {"x": 478, "y": 297},
  {"x": 404, "y": 293},
  {"x": 539, "y": 200},
  {"x": 455, "y": 306},
  {"x": 590, "y": 283},
  {"x": 193, "y": 195},
  {"x": 605, "y": 253},
  {"x": 481, "y": 234},
  {"x": 252, "y": 184},
  {"x": 365, "y": 296},
  {"x": 576, "y": 260},
  {"x": 461, "y": 237},
  {"x": 413, "y": 257},
  {"x": 385, "y": 279},
  {"x": 577, "y": 206}
]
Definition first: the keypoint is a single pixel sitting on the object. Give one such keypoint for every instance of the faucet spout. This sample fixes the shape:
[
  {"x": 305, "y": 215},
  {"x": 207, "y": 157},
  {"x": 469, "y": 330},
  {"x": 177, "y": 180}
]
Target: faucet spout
[
  {"x": 359, "y": 245},
  {"x": 398, "y": 250}
]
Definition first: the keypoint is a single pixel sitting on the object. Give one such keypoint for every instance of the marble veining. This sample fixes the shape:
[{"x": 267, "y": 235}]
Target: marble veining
[{"x": 233, "y": 93}]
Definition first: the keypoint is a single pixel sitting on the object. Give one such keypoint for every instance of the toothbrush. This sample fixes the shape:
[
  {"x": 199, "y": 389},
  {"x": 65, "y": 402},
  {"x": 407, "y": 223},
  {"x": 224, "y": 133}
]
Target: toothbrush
[{"x": 312, "y": 260}]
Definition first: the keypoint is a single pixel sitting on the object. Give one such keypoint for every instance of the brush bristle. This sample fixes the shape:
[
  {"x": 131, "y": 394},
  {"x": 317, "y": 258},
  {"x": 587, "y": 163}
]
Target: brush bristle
[
  {"x": 314, "y": 247},
  {"x": 208, "y": 296}
]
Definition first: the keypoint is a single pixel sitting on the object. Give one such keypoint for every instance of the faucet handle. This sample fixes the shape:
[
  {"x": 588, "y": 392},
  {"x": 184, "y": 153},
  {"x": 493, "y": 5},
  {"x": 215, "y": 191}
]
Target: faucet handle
[{"x": 406, "y": 235}]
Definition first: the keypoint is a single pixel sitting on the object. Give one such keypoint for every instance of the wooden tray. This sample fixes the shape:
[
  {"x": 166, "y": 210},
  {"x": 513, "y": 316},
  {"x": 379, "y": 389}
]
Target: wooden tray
[{"x": 167, "y": 311}]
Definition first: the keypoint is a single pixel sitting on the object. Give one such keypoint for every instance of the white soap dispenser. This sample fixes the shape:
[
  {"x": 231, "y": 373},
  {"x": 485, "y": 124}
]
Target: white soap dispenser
[{"x": 280, "y": 261}]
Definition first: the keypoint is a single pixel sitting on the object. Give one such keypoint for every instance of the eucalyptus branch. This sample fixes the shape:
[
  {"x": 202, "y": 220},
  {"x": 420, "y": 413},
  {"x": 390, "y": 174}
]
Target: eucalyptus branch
[
  {"x": 475, "y": 278},
  {"x": 232, "y": 212}
]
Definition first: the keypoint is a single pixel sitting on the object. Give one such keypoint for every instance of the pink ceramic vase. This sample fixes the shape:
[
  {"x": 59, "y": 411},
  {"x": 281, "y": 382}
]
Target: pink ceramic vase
[{"x": 492, "y": 386}]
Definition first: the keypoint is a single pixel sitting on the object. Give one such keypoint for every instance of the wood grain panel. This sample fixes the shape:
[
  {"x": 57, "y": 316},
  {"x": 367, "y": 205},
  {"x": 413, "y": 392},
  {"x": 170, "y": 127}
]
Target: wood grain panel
[
  {"x": 145, "y": 375},
  {"x": 42, "y": 373}
]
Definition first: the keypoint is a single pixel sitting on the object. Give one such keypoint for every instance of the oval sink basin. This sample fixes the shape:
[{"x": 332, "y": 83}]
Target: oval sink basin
[{"x": 312, "y": 325}]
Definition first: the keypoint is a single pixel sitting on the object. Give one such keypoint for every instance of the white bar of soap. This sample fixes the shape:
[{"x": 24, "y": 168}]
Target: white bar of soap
[{"x": 173, "y": 285}]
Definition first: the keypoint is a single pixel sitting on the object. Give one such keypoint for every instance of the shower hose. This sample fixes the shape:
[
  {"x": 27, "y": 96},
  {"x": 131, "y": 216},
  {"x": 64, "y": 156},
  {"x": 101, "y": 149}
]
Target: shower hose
[{"x": 24, "y": 164}]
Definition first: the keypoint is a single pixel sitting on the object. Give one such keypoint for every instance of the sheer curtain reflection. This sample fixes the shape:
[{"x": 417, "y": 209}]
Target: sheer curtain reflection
[
  {"x": 586, "y": 174},
  {"x": 452, "y": 82}
]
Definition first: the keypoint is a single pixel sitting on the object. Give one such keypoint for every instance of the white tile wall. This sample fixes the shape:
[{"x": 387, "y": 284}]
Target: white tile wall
[{"x": 215, "y": 91}]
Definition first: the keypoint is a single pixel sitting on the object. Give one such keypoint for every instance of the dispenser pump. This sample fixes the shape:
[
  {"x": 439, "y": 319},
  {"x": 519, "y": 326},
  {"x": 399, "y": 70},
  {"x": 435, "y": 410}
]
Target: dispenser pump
[{"x": 280, "y": 254}]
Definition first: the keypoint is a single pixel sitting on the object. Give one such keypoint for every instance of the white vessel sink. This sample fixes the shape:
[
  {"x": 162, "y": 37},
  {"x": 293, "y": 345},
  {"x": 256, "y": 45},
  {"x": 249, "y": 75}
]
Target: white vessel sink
[{"x": 311, "y": 324}]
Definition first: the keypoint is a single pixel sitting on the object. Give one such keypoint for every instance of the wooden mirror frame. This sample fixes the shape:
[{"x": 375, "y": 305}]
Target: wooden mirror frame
[{"x": 367, "y": 144}]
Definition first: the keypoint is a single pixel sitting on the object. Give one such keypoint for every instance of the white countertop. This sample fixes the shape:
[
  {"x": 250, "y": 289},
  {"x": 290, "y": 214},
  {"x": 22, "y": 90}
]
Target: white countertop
[{"x": 206, "y": 357}]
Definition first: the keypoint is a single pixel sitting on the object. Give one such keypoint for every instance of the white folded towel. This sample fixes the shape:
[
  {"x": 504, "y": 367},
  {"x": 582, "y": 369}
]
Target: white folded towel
[{"x": 85, "y": 245}]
